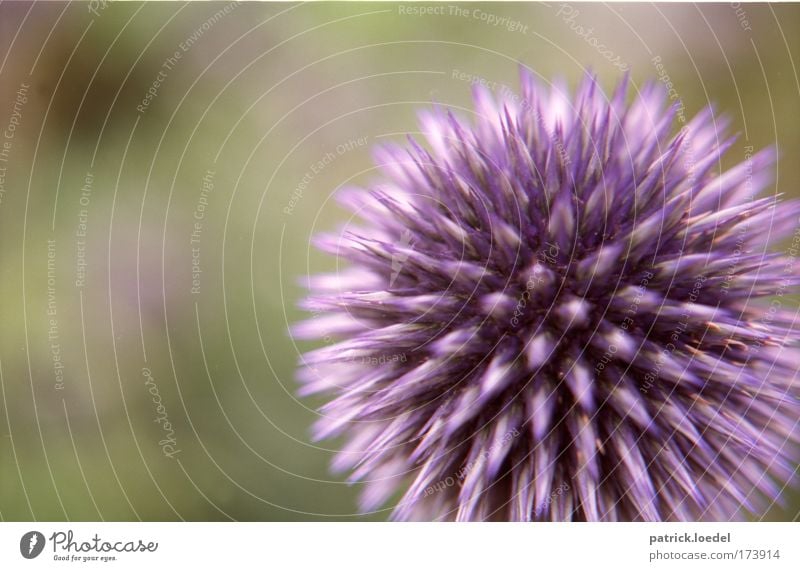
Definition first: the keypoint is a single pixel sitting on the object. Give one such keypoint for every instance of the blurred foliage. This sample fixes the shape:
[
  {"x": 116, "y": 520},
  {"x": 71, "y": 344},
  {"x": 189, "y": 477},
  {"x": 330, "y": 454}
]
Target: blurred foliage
[{"x": 261, "y": 94}]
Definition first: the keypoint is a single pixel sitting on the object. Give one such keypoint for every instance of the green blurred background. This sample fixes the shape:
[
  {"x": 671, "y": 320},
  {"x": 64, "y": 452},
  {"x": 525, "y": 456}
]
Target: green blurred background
[{"x": 245, "y": 99}]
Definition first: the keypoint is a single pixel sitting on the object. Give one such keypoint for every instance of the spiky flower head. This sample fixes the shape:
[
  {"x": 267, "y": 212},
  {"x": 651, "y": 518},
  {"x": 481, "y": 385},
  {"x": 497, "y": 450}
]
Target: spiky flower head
[{"x": 563, "y": 308}]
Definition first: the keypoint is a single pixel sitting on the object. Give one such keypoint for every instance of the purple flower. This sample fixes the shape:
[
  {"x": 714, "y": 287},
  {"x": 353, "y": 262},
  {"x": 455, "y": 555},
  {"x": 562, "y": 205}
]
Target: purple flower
[{"x": 562, "y": 310}]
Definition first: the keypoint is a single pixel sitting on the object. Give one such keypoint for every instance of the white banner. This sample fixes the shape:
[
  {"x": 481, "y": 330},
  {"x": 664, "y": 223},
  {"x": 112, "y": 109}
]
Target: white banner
[{"x": 400, "y": 546}]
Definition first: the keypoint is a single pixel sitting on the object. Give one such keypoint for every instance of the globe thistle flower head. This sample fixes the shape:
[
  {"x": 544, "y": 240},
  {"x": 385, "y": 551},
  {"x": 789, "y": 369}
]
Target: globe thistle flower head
[{"x": 561, "y": 308}]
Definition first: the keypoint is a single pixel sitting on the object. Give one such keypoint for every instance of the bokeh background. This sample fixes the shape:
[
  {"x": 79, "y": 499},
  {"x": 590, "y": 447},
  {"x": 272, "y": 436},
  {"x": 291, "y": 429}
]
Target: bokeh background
[{"x": 131, "y": 122}]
